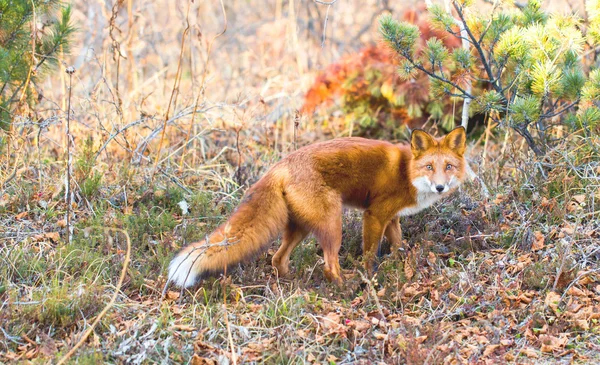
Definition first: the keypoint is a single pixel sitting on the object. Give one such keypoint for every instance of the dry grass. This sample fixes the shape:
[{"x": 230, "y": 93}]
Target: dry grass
[{"x": 510, "y": 279}]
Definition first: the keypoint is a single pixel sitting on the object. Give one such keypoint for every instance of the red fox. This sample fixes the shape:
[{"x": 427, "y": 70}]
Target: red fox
[{"x": 305, "y": 192}]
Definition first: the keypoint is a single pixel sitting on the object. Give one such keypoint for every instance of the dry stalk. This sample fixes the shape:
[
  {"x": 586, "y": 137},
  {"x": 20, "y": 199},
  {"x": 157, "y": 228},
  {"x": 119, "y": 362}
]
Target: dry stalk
[
  {"x": 238, "y": 172},
  {"x": 373, "y": 294},
  {"x": 141, "y": 147},
  {"x": 13, "y": 174},
  {"x": 293, "y": 29},
  {"x": 117, "y": 55},
  {"x": 33, "y": 59},
  {"x": 203, "y": 81},
  {"x": 112, "y": 301},
  {"x": 296, "y": 125},
  {"x": 326, "y": 18},
  {"x": 488, "y": 131},
  {"x": 466, "y": 46},
  {"x": 68, "y": 193},
  {"x": 229, "y": 336},
  {"x": 174, "y": 94},
  {"x": 132, "y": 74}
]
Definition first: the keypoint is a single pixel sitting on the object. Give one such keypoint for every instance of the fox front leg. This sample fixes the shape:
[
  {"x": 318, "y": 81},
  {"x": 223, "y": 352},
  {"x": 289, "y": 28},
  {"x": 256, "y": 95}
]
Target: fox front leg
[
  {"x": 373, "y": 229},
  {"x": 393, "y": 233}
]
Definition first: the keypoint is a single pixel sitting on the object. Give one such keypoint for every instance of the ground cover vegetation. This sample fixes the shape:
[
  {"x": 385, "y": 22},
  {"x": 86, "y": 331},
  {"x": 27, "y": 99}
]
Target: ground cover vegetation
[{"x": 147, "y": 121}]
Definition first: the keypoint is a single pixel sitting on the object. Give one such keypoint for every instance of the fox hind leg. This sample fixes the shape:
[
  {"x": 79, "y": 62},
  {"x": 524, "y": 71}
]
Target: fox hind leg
[
  {"x": 329, "y": 235},
  {"x": 292, "y": 236}
]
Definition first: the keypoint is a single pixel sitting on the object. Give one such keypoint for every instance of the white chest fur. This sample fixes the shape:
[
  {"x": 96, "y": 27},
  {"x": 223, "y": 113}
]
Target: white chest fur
[{"x": 424, "y": 200}]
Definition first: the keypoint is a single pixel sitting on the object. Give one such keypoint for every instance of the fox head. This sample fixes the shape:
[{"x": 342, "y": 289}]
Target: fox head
[{"x": 438, "y": 165}]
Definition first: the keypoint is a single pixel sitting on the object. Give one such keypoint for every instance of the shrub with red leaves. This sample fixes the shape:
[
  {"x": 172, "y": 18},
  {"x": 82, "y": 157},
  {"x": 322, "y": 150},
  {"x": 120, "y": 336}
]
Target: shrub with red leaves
[{"x": 371, "y": 94}]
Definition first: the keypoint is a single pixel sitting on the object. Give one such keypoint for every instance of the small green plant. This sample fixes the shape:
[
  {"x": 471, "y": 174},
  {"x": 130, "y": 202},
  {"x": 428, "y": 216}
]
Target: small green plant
[
  {"x": 304, "y": 257},
  {"x": 536, "y": 276},
  {"x": 89, "y": 181},
  {"x": 61, "y": 306}
]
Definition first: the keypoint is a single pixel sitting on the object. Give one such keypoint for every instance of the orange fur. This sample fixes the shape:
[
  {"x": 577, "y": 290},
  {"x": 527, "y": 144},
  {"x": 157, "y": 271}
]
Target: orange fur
[{"x": 305, "y": 192}]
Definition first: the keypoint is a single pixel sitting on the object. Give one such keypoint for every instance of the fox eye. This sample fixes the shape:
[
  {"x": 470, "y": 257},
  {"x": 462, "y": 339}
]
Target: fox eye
[
  {"x": 429, "y": 167},
  {"x": 448, "y": 167}
]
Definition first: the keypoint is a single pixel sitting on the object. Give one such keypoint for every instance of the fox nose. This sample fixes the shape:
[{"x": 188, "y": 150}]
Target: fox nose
[{"x": 439, "y": 188}]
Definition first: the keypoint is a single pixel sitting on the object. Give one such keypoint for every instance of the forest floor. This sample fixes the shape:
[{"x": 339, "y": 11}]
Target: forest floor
[{"x": 512, "y": 276}]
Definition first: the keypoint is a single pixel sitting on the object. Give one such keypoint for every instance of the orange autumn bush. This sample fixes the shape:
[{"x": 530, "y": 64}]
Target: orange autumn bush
[{"x": 376, "y": 102}]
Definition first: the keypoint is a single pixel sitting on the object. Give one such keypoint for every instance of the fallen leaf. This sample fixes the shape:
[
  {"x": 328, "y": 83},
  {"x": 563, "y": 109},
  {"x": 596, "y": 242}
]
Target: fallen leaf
[
  {"x": 482, "y": 340},
  {"x": 582, "y": 324},
  {"x": 409, "y": 272},
  {"x": 198, "y": 360},
  {"x": 21, "y": 215},
  {"x": 31, "y": 354},
  {"x": 545, "y": 202},
  {"x": 499, "y": 199},
  {"x": 579, "y": 198},
  {"x": 172, "y": 295},
  {"x": 435, "y": 296},
  {"x": 432, "y": 258},
  {"x": 331, "y": 323},
  {"x": 183, "y": 327},
  {"x": 552, "y": 300},
  {"x": 255, "y": 307},
  {"x": 357, "y": 301},
  {"x": 253, "y": 352},
  {"x": 538, "y": 242},
  {"x": 380, "y": 336},
  {"x": 421, "y": 339},
  {"x": 551, "y": 343},
  {"x": 506, "y": 342},
  {"x": 567, "y": 230},
  {"x": 489, "y": 349},
  {"x": 576, "y": 292},
  {"x": 11, "y": 355},
  {"x": 332, "y": 359},
  {"x": 54, "y": 236},
  {"x": 529, "y": 352},
  {"x": 360, "y": 325}
]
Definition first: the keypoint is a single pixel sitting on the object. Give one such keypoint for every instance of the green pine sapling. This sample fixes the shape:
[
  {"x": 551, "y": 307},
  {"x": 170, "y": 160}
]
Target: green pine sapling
[{"x": 27, "y": 49}]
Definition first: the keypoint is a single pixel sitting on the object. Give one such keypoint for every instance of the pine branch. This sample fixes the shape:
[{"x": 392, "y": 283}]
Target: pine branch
[
  {"x": 419, "y": 67},
  {"x": 13, "y": 35},
  {"x": 477, "y": 46},
  {"x": 524, "y": 132},
  {"x": 61, "y": 38},
  {"x": 550, "y": 115}
]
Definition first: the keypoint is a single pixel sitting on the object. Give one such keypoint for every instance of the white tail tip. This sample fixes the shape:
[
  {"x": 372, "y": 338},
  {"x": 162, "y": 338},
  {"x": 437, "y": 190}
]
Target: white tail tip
[{"x": 181, "y": 271}]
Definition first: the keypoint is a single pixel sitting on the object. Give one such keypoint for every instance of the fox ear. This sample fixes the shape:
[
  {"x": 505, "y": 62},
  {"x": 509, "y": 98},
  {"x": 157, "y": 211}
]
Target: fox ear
[
  {"x": 420, "y": 141},
  {"x": 456, "y": 140}
]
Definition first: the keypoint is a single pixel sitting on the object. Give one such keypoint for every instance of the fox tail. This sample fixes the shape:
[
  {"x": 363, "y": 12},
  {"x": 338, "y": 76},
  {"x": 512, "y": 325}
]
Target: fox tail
[{"x": 259, "y": 218}]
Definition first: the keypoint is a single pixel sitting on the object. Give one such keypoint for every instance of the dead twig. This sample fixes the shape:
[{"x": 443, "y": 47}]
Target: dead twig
[
  {"x": 68, "y": 194},
  {"x": 203, "y": 82},
  {"x": 173, "y": 98}
]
